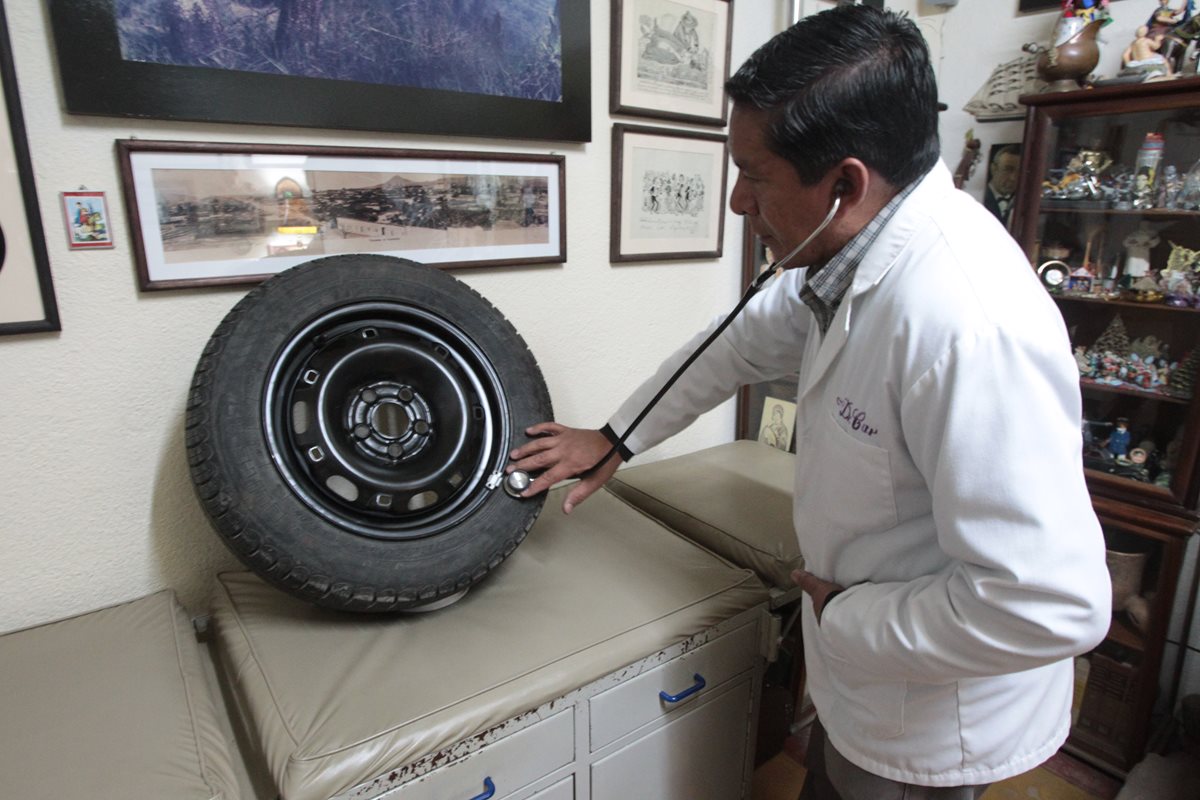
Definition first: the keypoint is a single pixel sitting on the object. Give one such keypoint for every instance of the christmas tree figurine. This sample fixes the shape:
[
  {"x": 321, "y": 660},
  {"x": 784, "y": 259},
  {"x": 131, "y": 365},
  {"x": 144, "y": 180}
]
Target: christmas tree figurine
[
  {"x": 1183, "y": 377},
  {"x": 1114, "y": 339}
]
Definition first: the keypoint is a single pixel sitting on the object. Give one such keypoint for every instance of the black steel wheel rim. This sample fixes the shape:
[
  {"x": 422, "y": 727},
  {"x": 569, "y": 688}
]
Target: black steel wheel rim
[{"x": 386, "y": 420}]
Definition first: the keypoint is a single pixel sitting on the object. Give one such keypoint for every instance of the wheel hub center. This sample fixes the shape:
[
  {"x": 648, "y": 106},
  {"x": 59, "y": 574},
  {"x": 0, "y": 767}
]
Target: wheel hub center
[{"x": 390, "y": 421}]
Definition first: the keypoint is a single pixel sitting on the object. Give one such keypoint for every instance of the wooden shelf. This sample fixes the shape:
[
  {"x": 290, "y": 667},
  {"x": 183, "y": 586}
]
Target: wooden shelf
[
  {"x": 1123, "y": 633},
  {"x": 1156, "y": 307},
  {"x": 1154, "y": 213},
  {"x": 1132, "y": 391}
]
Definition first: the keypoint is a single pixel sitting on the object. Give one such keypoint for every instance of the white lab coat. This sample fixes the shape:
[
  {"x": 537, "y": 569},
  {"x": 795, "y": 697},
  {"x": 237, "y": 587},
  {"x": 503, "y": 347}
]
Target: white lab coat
[{"x": 939, "y": 478}]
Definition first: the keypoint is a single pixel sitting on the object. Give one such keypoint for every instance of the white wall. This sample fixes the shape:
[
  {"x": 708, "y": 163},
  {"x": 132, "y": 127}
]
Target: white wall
[{"x": 95, "y": 501}]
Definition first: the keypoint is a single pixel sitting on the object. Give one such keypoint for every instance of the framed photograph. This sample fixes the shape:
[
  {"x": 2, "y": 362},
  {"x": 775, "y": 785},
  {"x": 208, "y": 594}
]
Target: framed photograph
[
  {"x": 806, "y": 8},
  {"x": 668, "y": 190},
  {"x": 493, "y": 68},
  {"x": 27, "y": 302},
  {"x": 777, "y": 423},
  {"x": 86, "y": 217},
  {"x": 207, "y": 214},
  {"x": 671, "y": 59}
]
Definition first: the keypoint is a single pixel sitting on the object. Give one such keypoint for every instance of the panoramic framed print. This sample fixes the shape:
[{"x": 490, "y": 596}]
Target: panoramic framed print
[
  {"x": 668, "y": 190},
  {"x": 27, "y": 302},
  {"x": 207, "y": 214},
  {"x": 491, "y": 68},
  {"x": 671, "y": 59}
]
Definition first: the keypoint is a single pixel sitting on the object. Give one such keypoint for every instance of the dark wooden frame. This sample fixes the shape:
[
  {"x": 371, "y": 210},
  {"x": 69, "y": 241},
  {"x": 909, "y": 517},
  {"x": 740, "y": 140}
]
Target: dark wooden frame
[
  {"x": 39, "y": 261},
  {"x": 97, "y": 80},
  {"x": 620, "y": 130},
  {"x": 620, "y": 50},
  {"x": 128, "y": 148}
]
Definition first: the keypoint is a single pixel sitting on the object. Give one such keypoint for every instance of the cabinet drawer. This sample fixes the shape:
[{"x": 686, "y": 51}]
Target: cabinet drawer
[
  {"x": 632, "y": 704},
  {"x": 563, "y": 790},
  {"x": 511, "y": 763},
  {"x": 700, "y": 755}
]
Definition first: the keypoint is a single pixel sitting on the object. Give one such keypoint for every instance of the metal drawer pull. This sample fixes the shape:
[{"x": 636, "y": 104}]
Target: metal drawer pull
[
  {"x": 489, "y": 789},
  {"x": 688, "y": 692}
]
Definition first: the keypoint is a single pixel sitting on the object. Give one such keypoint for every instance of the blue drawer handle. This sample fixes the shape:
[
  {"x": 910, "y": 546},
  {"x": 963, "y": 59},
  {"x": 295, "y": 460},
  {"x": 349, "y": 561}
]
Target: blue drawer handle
[
  {"x": 688, "y": 692},
  {"x": 489, "y": 789}
]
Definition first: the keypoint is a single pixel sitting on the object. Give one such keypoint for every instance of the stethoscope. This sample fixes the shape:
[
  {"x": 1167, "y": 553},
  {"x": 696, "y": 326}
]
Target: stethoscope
[{"x": 519, "y": 480}]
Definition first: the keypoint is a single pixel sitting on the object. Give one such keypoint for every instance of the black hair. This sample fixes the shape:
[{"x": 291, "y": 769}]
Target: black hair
[{"x": 853, "y": 81}]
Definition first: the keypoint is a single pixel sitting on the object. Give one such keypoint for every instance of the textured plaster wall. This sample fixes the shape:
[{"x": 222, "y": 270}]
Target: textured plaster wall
[{"x": 95, "y": 501}]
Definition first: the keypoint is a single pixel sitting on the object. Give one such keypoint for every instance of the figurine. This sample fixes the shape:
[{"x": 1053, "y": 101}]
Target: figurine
[
  {"x": 1183, "y": 259},
  {"x": 1142, "y": 56},
  {"x": 1170, "y": 188},
  {"x": 1189, "y": 195},
  {"x": 1087, "y": 10},
  {"x": 1164, "y": 19},
  {"x": 1137, "y": 251},
  {"x": 1118, "y": 440}
]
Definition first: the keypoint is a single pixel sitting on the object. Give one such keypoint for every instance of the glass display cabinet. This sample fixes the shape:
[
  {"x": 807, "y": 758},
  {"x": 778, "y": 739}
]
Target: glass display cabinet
[{"x": 1108, "y": 212}]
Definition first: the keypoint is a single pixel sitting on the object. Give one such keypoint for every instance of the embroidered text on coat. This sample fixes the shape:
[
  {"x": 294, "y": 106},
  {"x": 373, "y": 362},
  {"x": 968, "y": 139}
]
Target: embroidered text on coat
[{"x": 855, "y": 416}]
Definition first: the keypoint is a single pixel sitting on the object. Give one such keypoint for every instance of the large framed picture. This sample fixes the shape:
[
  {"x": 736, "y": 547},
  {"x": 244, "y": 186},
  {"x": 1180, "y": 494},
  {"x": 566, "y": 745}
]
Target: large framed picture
[
  {"x": 206, "y": 214},
  {"x": 671, "y": 59},
  {"x": 27, "y": 302},
  {"x": 668, "y": 190},
  {"x": 494, "y": 68}
]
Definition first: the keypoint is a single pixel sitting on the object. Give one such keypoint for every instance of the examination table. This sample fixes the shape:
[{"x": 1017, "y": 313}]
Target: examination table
[{"x": 618, "y": 653}]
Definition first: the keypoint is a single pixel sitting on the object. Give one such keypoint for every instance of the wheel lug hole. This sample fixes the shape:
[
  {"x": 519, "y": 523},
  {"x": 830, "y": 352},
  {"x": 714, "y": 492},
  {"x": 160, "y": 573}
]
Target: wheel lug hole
[
  {"x": 421, "y": 427},
  {"x": 369, "y": 396},
  {"x": 362, "y": 431},
  {"x": 395, "y": 450},
  {"x": 405, "y": 395}
]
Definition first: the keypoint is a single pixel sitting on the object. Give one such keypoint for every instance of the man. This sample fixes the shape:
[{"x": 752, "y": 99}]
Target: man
[
  {"x": 1003, "y": 172},
  {"x": 955, "y": 564}
]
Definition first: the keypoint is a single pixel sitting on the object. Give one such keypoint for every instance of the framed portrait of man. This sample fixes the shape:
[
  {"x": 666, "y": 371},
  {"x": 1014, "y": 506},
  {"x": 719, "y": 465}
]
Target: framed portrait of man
[{"x": 1003, "y": 170}]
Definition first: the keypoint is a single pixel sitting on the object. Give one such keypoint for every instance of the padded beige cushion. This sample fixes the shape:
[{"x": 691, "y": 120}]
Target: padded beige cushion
[
  {"x": 336, "y": 700},
  {"x": 735, "y": 499},
  {"x": 110, "y": 705}
]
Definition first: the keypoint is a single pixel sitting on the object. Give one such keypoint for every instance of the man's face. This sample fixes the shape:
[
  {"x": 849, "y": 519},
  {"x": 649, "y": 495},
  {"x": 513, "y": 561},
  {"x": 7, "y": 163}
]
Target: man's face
[
  {"x": 1005, "y": 171},
  {"x": 768, "y": 192}
]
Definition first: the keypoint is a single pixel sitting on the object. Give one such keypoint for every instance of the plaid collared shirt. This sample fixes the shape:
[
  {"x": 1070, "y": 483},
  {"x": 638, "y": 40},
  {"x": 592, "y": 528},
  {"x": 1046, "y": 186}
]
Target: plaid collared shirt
[{"x": 823, "y": 291}]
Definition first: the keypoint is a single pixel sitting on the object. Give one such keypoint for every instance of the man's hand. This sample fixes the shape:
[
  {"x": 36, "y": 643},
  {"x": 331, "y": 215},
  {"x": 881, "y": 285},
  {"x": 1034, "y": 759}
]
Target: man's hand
[
  {"x": 819, "y": 590},
  {"x": 563, "y": 453}
]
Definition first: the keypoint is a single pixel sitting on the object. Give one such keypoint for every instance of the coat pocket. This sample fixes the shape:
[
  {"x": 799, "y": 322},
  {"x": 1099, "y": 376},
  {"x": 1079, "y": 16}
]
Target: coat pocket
[
  {"x": 842, "y": 481},
  {"x": 875, "y": 707}
]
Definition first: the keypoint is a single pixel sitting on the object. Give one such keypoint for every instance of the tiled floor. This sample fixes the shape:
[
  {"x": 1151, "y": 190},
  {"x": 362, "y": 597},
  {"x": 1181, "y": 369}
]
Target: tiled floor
[{"x": 1060, "y": 778}]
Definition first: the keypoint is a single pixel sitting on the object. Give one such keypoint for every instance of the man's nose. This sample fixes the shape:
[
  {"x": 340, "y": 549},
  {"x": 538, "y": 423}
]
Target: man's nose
[{"x": 740, "y": 200}]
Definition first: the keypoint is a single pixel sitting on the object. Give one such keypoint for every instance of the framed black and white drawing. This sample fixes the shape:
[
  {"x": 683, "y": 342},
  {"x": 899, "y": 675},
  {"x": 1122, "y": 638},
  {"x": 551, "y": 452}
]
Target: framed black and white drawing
[
  {"x": 495, "y": 68},
  {"x": 671, "y": 59},
  {"x": 27, "y": 302},
  {"x": 210, "y": 214},
  {"x": 668, "y": 190}
]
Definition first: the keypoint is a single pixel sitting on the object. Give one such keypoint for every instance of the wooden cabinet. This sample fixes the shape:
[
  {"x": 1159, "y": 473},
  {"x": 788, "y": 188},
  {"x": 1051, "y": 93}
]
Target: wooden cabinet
[{"x": 1108, "y": 224}]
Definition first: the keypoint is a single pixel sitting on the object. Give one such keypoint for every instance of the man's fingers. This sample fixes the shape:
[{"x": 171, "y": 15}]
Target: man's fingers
[
  {"x": 535, "y": 446},
  {"x": 543, "y": 428},
  {"x": 581, "y": 491}
]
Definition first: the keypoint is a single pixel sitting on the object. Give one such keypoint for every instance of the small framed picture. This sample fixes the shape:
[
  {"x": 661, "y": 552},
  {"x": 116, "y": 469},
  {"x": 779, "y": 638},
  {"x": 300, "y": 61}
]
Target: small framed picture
[
  {"x": 778, "y": 422},
  {"x": 671, "y": 59},
  {"x": 668, "y": 190},
  {"x": 86, "y": 216}
]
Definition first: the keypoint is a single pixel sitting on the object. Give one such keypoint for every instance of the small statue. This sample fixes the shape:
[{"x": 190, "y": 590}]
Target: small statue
[
  {"x": 1170, "y": 188},
  {"x": 1142, "y": 56},
  {"x": 1137, "y": 251},
  {"x": 1118, "y": 440}
]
